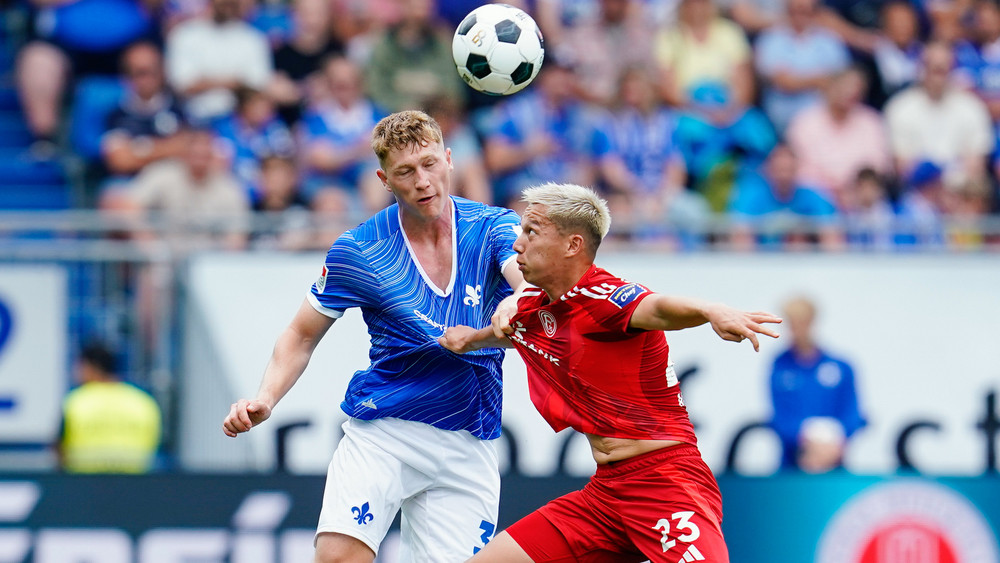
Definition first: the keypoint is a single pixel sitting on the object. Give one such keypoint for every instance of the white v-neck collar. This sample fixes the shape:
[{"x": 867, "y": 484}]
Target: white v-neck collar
[{"x": 454, "y": 253}]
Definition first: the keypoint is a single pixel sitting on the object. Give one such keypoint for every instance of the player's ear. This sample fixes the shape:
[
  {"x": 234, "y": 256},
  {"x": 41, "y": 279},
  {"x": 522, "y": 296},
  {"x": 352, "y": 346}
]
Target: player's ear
[
  {"x": 385, "y": 179},
  {"x": 574, "y": 245}
]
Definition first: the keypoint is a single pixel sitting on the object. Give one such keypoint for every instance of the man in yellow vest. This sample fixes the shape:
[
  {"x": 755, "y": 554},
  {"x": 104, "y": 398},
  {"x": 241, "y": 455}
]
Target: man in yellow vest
[{"x": 108, "y": 426}]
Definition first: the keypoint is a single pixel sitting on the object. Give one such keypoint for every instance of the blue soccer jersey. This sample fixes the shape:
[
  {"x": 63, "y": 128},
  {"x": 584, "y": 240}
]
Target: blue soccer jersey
[{"x": 411, "y": 376}]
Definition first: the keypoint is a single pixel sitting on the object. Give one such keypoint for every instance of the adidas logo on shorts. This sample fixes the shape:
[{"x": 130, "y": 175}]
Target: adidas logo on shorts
[{"x": 692, "y": 554}]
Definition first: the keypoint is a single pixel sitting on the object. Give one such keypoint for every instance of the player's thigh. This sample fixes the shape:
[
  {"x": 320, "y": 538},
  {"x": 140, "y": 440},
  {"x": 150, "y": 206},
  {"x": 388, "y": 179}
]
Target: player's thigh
[
  {"x": 502, "y": 549},
  {"x": 558, "y": 533},
  {"x": 457, "y": 515},
  {"x": 675, "y": 513},
  {"x": 365, "y": 487}
]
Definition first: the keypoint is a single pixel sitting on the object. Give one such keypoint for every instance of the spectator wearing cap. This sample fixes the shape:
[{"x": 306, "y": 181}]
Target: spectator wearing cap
[
  {"x": 936, "y": 121},
  {"x": 109, "y": 426},
  {"x": 922, "y": 207}
]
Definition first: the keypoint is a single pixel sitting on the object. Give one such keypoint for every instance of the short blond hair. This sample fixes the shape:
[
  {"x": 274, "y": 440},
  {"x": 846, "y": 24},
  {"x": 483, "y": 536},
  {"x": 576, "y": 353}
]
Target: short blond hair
[
  {"x": 573, "y": 208},
  {"x": 404, "y": 129}
]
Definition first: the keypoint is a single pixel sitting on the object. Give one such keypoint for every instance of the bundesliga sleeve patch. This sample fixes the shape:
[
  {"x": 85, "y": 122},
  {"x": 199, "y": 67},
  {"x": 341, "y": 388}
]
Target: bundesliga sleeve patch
[
  {"x": 626, "y": 294},
  {"x": 321, "y": 282}
]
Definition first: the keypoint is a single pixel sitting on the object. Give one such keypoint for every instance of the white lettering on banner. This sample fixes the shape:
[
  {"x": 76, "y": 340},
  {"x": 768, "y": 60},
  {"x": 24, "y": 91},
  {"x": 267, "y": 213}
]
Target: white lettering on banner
[
  {"x": 90, "y": 545},
  {"x": 728, "y": 391},
  {"x": 254, "y": 540}
]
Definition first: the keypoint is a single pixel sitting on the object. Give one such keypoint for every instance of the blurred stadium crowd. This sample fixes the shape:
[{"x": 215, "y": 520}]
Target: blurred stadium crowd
[{"x": 736, "y": 124}]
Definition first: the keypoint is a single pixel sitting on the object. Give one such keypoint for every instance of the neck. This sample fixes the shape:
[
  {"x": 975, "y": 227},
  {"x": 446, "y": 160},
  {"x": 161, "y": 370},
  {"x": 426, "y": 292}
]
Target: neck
[
  {"x": 428, "y": 230},
  {"x": 562, "y": 283},
  {"x": 806, "y": 350}
]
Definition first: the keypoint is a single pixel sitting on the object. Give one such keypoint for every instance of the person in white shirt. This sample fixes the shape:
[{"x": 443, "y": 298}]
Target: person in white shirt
[
  {"x": 207, "y": 59},
  {"x": 938, "y": 122}
]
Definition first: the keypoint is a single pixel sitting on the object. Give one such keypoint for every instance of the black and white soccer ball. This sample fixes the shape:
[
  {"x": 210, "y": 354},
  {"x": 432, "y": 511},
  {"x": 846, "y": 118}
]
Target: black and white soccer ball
[{"x": 498, "y": 49}]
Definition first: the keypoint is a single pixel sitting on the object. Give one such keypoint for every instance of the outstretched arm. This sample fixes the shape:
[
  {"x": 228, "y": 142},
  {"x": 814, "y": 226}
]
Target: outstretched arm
[
  {"x": 289, "y": 359},
  {"x": 461, "y": 339},
  {"x": 664, "y": 312}
]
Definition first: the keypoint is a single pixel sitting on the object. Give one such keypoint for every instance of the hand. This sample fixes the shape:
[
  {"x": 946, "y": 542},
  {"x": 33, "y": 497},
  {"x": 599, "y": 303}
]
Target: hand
[
  {"x": 735, "y": 326},
  {"x": 501, "y": 317},
  {"x": 458, "y": 339},
  {"x": 244, "y": 415}
]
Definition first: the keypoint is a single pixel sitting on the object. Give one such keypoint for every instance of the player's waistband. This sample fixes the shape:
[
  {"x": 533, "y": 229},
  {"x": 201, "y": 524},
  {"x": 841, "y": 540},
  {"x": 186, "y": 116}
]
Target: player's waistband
[{"x": 648, "y": 459}]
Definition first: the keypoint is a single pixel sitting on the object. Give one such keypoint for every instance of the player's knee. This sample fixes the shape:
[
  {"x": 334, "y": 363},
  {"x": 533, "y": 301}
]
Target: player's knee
[{"x": 338, "y": 548}]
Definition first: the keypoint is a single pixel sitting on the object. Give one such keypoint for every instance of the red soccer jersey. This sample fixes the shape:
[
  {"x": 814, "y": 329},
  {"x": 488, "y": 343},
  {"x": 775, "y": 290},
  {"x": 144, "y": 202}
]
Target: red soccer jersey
[{"x": 589, "y": 371}]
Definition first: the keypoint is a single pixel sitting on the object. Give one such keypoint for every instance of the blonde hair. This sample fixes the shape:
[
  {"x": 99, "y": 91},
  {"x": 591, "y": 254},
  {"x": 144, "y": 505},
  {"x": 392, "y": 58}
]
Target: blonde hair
[
  {"x": 404, "y": 129},
  {"x": 573, "y": 208}
]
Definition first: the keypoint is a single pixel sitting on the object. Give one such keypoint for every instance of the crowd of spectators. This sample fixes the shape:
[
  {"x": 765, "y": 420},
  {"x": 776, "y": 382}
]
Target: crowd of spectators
[{"x": 741, "y": 123}]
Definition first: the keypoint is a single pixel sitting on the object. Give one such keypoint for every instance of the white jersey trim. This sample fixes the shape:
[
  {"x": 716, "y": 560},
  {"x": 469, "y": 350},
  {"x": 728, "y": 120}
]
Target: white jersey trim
[
  {"x": 454, "y": 254},
  {"x": 507, "y": 262},
  {"x": 325, "y": 311}
]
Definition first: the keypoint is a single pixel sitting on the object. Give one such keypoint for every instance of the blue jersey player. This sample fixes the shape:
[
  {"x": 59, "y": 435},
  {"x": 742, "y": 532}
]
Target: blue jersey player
[{"x": 420, "y": 437}]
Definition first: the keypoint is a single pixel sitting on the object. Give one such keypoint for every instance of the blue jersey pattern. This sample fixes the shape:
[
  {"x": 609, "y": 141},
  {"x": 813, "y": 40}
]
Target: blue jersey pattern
[{"x": 411, "y": 376}]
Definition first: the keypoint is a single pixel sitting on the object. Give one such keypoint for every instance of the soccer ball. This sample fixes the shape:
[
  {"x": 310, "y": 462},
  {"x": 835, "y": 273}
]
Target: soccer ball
[{"x": 498, "y": 49}]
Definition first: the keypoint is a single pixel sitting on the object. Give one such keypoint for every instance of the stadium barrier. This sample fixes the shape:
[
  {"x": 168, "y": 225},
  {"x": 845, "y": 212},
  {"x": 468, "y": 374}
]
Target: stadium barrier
[{"x": 834, "y": 518}]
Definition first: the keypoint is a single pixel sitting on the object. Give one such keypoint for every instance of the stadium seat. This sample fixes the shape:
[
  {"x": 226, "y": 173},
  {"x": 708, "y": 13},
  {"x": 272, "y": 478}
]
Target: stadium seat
[
  {"x": 35, "y": 197},
  {"x": 13, "y": 131},
  {"x": 95, "y": 98},
  {"x": 17, "y": 167}
]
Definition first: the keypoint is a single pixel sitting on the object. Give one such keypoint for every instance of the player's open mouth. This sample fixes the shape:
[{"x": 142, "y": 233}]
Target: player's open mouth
[{"x": 424, "y": 200}]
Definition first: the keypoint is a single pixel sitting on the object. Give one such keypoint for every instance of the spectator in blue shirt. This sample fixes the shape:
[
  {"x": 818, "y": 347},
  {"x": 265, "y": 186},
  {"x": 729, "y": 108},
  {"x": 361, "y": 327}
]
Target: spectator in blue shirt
[
  {"x": 796, "y": 60},
  {"x": 335, "y": 136},
  {"x": 813, "y": 395},
  {"x": 544, "y": 134},
  {"x": 784, "y": 211},
  {"x": 252, "y": 133}
]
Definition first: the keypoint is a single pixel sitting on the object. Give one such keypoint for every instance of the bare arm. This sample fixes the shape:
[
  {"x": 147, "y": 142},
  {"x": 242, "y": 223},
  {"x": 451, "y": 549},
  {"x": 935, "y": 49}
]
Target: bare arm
[
  {"x": 664, "y": 312},
  {"x": 289, "y": 359},
  {"x": 462, "y": 339}
]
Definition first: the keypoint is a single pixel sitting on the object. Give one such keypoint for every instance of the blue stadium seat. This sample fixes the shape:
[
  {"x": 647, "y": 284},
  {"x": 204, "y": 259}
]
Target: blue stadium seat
[
  {"x": 95, "y": 98},
  {"x": 18, "y": 167},
  {"x": 36, "y": 197},
  {"x": 13, "y": 130}
]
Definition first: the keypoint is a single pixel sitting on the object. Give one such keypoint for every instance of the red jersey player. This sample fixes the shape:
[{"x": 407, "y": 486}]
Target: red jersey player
[{"x": 598, "y": 362}]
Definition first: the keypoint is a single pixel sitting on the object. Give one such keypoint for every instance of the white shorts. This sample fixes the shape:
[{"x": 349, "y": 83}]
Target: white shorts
[{"x": 447, "y": 484}]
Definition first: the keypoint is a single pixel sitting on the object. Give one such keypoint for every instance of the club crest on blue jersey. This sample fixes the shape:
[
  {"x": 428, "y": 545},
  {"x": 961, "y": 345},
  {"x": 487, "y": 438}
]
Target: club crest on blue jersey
[
  {"x": 473, "y": 295},
  {"x": 626, "y": 294}
]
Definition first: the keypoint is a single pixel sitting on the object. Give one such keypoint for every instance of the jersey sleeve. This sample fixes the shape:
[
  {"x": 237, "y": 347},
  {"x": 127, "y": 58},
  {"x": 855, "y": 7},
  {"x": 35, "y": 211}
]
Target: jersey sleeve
[
  {"x": 346, "y": 280},
  {"x": 611, "y": 304},
  {"x": 501, "y": 237}
]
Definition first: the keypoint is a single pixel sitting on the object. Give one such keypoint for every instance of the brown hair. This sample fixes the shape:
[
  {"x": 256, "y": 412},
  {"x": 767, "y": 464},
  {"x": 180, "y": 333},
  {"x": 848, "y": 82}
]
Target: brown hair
[{"x": 404, "y": 129}]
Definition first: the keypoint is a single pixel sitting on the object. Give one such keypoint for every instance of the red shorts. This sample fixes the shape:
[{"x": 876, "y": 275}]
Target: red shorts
[{"x": 663, "y": 506}]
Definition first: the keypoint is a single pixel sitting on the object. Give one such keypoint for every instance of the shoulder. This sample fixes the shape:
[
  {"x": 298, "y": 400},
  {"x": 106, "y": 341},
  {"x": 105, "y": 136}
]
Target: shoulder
[{"x": 382, "y": 225}]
